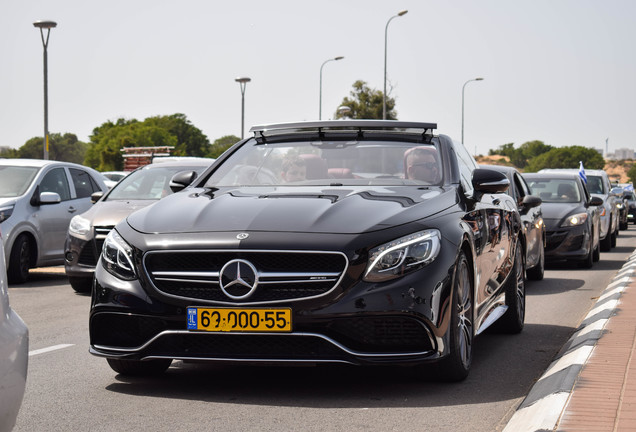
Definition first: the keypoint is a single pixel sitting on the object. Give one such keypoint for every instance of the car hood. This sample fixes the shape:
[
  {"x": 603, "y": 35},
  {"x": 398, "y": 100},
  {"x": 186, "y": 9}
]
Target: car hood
[
  {"x": 291, "y": 209},
  {"x": 554, "y": 213},
  {"x": 109, "y": 213}
]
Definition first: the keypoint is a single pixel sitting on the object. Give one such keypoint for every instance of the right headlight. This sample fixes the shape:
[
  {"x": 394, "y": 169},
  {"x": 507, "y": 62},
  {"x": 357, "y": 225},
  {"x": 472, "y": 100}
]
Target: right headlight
[
  {"x": 398, "y": 257},
  {"x": 574, "y": 220},
  {"x": 117, "y": 257},
  {"x": 6, "y": 211},
  {"x": 79, "y": 227}
]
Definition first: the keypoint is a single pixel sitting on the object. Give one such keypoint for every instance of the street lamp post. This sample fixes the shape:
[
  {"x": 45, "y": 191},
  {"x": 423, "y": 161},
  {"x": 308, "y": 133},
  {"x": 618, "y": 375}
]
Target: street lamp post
[
  {"x": 243, "y": 82},
  {"x": 386, "y": 28},
  {"x": 320, "y": 97},
  {"x": 463, "y": 87},
  {"x": 48, "y": 25}
]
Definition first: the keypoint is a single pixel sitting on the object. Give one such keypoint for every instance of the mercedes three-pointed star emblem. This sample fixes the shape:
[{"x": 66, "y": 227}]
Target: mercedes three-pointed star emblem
[{"x": 238, "y": 279}]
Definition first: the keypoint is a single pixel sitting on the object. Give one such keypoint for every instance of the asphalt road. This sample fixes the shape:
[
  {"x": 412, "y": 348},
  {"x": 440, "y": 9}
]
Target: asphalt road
[{"x": 70, "y": 390}]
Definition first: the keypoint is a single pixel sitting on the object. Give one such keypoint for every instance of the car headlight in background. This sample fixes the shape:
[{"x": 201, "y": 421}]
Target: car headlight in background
[
  {"x": 79, "y": 226},
  {"x": 574, "y": 220},
  {"x": 398, "y": 257},
  {"x": 6, "y": 211},
  {"x": 117, "y": 257}
]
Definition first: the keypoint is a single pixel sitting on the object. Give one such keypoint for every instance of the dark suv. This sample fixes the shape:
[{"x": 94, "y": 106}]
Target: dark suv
[{"x": 361, "y": 242}]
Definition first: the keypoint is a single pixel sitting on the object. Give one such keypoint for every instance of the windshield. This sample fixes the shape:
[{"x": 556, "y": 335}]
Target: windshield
[
  {"x": 149, "y": 183},
  {"x": 555, "y": 190},
  {"x": 595, "y": 184},
  {"x": 15, "y": 180},
  {"x": 324, "y": 163}
]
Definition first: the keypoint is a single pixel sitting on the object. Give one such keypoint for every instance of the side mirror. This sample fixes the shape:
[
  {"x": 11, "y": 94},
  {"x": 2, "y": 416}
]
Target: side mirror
[
  {"x": 530, "y": 201},
  {"x": 182, "y": 180},
  {"x": 50, "y": 198},
  {"x": 96, "y": 196},
  {"x": 595, "y": 201},
  {"x": 489, "y": 181}
]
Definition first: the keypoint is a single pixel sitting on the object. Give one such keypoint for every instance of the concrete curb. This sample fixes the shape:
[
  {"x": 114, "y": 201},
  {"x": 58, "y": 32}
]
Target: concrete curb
[{"x": 542, "y": 408}]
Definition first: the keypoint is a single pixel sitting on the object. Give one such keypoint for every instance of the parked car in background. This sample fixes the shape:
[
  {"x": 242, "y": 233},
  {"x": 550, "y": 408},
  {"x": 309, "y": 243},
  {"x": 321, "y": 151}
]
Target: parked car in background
[
  {"x": 621, "y": 204},
  {"x": 87, "y": 231},
  {"x": 14, "y": 354},
  {"x": 529, "y": 207},
  {"x": 387, "y": 245},
  {"x": 598, "y": 184},
  {"x": 570, "y": 214},
  {"x": 630, "y": 202},
  {"x": 38, "y": 198},
  {"x": 112, "y": 177}
]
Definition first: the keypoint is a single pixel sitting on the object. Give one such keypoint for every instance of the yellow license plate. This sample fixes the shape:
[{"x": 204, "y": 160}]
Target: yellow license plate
[{"x": 239, "y": 319}]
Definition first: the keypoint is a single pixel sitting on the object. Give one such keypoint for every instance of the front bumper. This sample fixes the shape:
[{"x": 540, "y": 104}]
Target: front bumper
[
  {"x": 567, "y": 243},
  {"x": 399, "y": 322}
]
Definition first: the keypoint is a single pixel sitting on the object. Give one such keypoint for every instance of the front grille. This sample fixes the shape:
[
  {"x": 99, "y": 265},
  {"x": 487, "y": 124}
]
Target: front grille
[
  {"x": 91, "y": 251},
  {"x": 554, "y": 239},
  {"x": 280, "y": 275}
]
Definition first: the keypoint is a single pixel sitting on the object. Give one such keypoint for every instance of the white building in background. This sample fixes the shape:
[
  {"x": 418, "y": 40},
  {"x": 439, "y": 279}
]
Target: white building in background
[{"x": 623, "y": 153}]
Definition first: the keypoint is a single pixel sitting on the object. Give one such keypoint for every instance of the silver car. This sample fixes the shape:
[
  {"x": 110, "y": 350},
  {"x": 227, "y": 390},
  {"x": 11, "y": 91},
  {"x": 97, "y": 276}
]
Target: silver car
[
  {"x": 14, "y": 354},
  {"x": 38, "y": 198},
  {"x": 87, "y": 231}
]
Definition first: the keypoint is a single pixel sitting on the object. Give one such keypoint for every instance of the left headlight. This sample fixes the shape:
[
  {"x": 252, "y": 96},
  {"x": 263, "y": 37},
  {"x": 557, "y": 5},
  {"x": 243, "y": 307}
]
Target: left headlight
[
  {"x": 574, "y": 220},
  {"x": 117, "y": 257},
  {"x": 398, "y": 257}
]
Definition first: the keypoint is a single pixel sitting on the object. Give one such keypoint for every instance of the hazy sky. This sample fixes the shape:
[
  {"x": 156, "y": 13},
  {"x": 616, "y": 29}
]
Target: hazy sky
[{"x": 559, "y": 71}]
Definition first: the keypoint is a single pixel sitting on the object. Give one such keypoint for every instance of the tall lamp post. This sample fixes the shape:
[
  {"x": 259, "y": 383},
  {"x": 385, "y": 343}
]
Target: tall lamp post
[
  {"x": 463, "y": 87},
  {"x": 243, "y": 82},
  {"x": 386, "y": 29},
  {"x": 48, "y": 25},
  {"x": 320, "y": 97}
]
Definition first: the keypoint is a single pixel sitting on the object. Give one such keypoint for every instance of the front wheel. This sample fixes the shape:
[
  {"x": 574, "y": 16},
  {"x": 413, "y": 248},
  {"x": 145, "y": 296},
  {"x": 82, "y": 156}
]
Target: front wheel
[
  {"x": 19, "y": 260},
  {"x": 513, "y": 320},
  {"x": 456, "y": 365},
  {"x": 81, "y": 284},
  {"x": 139, "y": 367},
  {"x": 537, "y": 272}
]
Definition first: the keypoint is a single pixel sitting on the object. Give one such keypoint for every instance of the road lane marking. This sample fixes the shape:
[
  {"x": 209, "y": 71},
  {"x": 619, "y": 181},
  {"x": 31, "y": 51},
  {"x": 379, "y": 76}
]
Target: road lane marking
[{"x": 49, "y": 349}]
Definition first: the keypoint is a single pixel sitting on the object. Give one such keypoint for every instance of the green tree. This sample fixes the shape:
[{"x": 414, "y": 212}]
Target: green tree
[
  {"x": 104, "y": 151},
  {"x": 567, "y": 157},
  {"x": 521, "y": 157},
  {"x": 61, "y": 148},
  {"x": 366, "y": 103},
  {"x": 220, "y": 145}
]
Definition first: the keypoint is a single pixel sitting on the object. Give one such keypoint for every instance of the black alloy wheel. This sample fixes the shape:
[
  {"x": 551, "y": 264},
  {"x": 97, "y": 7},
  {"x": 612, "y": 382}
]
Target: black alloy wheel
[
  {"x": 537, "y": 272},
  {"x": 513, "y": 320},
  {"x": 456, "y": 365}
]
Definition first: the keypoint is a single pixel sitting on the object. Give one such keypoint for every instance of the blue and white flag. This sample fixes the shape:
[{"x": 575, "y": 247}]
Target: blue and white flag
[
  {"x": 582, "y": 173},
  {"x": 629, "y": 188}
]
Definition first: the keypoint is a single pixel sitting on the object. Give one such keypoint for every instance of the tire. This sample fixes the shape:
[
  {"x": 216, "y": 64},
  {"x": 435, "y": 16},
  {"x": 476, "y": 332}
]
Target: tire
[
  {"x": 597, "y": 252},
  {"x": 588, "y": 261},
  {"x": 537, "y": 272},
  {"x": 138, "y": 367},
  {"x": 513, "y": 320},
  {"x": 81, "y": 284},
  {"x": 19, "y": 260},
  {"x": 606, "y": 243},
  {"x": 456, "y": 366},
  {"x": 614, "y": 236}
]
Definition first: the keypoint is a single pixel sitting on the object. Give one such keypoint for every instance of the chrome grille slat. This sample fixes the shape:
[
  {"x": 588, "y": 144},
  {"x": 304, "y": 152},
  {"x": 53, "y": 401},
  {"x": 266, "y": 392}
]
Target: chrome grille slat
[{"x": 282, "y": 275}]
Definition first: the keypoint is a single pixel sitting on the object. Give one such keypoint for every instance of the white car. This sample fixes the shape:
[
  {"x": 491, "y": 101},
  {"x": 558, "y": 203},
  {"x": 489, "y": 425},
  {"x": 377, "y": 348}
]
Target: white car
[
  {"x": 14, "y": 354},
  {"x": 38, "y": 199}
]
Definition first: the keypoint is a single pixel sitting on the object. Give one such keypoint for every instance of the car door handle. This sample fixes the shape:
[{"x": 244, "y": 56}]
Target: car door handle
[{"x": 72, "y": 209}]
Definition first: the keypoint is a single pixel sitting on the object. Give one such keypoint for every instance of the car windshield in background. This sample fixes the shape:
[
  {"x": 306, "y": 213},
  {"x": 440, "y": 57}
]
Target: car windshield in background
[
  {"x": 147, "y": 184},
  {"x": 595, "y": 184},
  {"x": 327, "y": 163},
  {"x": 15, "y": 180},
  {"x": 555, "y": 190}
]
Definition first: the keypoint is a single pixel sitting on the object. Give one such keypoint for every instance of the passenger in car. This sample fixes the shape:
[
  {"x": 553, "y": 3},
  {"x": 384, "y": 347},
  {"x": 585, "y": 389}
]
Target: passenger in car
[
  {"x": 420, "y": 163},
  {"x": 294, "y": 169}
]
